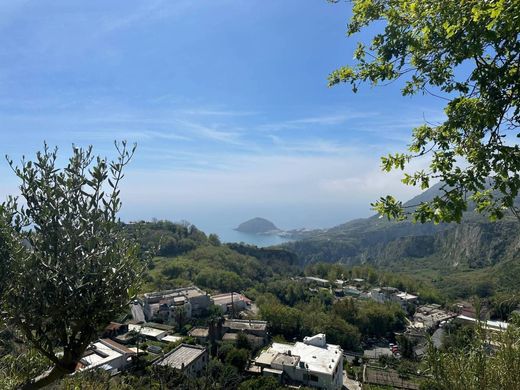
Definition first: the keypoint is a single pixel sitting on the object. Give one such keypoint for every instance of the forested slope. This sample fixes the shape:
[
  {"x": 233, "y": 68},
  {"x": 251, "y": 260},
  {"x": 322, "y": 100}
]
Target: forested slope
[{"x": 475, "y": 243}]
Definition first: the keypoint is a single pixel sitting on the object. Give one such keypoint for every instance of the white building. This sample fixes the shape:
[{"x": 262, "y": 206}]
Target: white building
[
  {"x": 405, "y": 299},
  {"x": 107, "y": 355},
  {"x": 146, "y": 331},
  {"x": 499, "y": 326},
  {"x": 313, "y": 363},
  {"x": 231, "y": 300},
  {"x": 187, "y": 301}
]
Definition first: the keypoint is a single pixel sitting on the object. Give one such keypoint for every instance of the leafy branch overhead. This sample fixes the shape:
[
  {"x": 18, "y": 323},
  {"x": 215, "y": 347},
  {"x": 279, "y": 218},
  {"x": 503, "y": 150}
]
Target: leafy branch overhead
[
  {"x": 67, "y": 268},
  {"x": 468, "y": 53}
]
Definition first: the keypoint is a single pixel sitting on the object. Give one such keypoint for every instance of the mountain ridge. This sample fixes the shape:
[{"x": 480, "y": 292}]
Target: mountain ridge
[{"x": 474, "y": 243}]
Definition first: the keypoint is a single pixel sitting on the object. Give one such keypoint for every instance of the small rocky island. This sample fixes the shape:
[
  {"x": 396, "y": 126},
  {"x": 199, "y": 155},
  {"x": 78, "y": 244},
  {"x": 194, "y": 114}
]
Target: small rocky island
[{"x": 258, "y": 226}]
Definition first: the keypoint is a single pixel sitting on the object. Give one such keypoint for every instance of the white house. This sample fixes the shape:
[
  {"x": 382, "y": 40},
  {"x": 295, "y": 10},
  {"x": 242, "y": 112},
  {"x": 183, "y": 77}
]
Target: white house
[
  {"x": 312, "y": 363},
  {"x": 107, "y": 355}
]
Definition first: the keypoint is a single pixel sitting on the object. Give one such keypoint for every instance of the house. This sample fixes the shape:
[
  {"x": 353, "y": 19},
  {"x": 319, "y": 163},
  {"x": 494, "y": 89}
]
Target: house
[
  {"x": 404, "y": 299},
  {"x": 200, "y": 333},
  {"x": 392, "y": 294},
  {"x": 429, "y": 317},
  {"x": 106, "y": 354},
  {"x": 168, "y": 305},
  {"x": 231, "y": 300},
  {"x": 148, "y": 332},
  {"x": 189, "y": 359},
  {"x": 312, "y": 363},
  {"x": 351, "y": 291},
  {"x": 318, "y": 281},
  {"x": 340, "y": 283},
  {"x": 467, "y": 309},
  {"x": 115, "y": 329},
  {"x": 252, "y": 327},
  {"x": 254, "y": 330}
]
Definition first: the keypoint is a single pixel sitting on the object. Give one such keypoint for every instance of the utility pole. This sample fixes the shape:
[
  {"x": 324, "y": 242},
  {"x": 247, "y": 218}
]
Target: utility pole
[{"x": 232, "y": 306}]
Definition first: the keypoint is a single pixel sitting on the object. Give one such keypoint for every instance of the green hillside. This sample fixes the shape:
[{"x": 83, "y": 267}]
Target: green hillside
[{"x": 475, "y": 247}]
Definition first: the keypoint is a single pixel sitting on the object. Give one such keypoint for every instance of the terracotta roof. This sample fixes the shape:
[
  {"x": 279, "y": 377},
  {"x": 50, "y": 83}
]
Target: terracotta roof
[
  {"x": 117, "y": 346},
  {"x": 113, "y": 326}
]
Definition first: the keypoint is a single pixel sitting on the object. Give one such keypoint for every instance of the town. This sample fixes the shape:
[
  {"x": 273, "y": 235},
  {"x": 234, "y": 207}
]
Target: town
[{"x": 181, "y": 329}]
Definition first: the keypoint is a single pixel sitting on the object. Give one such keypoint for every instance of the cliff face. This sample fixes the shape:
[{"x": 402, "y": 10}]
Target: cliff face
[{"x": 474, "y": 243}]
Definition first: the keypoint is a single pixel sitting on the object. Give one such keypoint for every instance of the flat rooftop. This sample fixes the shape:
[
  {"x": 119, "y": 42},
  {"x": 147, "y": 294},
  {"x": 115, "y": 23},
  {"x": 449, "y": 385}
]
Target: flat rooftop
[
  {"x": 317, "y": 280},
  {"x": 315, "y": 359},
  {"x": 101, "y": 353},
  {"x": 245, "y": 324},
  {"x": 406, "y": 296},
  {"x": 182, "y": 356},
  {"x": 98, "y": 355},
  {"x": 190, "y": 292},
  {"x": 146, "y": 331},
  {"x": 221, "y": 299},
  {"x": 199, "y": 332}
]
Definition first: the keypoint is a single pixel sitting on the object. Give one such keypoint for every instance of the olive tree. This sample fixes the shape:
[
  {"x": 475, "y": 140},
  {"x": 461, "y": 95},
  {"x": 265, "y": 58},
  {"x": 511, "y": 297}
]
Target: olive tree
[
  {"x": 468, "y": 54},
  {"x": 67, "y": 268}
]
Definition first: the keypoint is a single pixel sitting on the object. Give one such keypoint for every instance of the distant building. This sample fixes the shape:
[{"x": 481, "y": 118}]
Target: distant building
[
  {"x": 318, "y": 281},
  {"x": 148, "y": 331},
  {"x": 106, "y": 354},
  {"x": 200, "y": 333},
  {"x": 169, "y": 305},
  {"x": 379, "y": 295},
  {"x": 340, "y": 283},
  {"x": 405, "y": 299},
  {"x": 254, "y": 330},
  {"x": 312, "y": 363},
  {"x": 252, "y": 327},
  {"x": 430, "y": 317},
  {"x": 467, "y": 309},
  {"x": 115, "y": 329},
  {"x": 498, "y": 326},
  {"x": 351, "y": 291},
  {"x": 189, "y": 359},
  {"x": 392, "y": 294},
  {"x": 231, "y": 300}
]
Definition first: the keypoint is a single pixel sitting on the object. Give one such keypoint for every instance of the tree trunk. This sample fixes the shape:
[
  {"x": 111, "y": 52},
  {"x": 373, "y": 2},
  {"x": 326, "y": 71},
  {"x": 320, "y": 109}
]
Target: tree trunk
[{"x": 57, "y": 372}]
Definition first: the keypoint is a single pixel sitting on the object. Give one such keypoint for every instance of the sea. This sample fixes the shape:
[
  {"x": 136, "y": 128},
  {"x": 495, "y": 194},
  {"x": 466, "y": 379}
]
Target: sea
[{"x": 227, "y": 234}]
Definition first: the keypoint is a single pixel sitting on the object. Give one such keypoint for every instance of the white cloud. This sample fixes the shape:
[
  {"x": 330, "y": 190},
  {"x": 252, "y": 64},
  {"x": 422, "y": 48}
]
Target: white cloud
[
  {"x": 318, "y": 120},
  {"x": 307, "y": 184}
]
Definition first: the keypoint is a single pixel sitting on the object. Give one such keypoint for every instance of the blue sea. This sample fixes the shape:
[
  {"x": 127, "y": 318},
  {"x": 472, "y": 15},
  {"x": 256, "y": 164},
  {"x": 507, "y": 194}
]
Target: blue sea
[{"x": 228, "y": 234}]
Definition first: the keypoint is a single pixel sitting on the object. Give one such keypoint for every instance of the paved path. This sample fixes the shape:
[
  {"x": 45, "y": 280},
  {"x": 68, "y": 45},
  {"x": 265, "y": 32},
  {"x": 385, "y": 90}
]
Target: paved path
[{"x": 350, "y": 384}]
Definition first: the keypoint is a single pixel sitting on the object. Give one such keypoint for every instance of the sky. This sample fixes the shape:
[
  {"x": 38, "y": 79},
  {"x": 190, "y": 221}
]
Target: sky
[{"x": 227, "y": 101}]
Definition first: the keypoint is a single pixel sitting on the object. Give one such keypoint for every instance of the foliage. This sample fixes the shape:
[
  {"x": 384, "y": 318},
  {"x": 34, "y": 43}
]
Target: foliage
[
  {"x": 69, "y": 269},
  {"x": 467, "y": 52},
  {"x": 17, "y": 368},
  {"x": 260, "y": 383},
  {"x": 237, "y": 357},
  {"x": 216, "y": 268},
  {"x": 380, "y": 319},
  {"x": 488, "y": 361},
  {"x": 172, "y": 239}
]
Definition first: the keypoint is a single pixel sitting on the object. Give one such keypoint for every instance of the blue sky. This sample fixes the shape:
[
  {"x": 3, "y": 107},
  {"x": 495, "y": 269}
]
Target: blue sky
[{"x": 227, "y": 101}]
